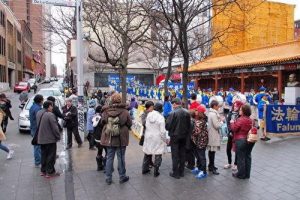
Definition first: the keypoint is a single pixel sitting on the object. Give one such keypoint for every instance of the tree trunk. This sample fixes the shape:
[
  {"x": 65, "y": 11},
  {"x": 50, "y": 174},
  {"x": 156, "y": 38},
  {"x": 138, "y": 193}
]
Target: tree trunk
[
  {"x": 168, "y": 75},
  {"x": 185, "y": 80},
  {"x": 124, "y": 83}
]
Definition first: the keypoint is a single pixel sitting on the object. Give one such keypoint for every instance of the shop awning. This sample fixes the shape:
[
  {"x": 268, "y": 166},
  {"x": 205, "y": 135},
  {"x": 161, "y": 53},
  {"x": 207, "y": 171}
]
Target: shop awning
[{"x": 276, "y": 54}]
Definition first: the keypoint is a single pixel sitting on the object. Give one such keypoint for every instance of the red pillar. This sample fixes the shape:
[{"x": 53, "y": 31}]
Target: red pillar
[
  {"x": 242, "y": 83},
  {"x": 279, "y": 84},
  {"x": 216, "y": 82}
]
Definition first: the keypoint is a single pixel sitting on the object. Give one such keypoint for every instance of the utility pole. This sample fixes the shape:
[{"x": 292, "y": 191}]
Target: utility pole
[{"x": 78, "y": 50}]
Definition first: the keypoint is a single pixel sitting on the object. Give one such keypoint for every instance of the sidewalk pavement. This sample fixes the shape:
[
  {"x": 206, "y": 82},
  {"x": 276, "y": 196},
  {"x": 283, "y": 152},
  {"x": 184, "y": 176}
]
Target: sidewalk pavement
[{"x": 275, "y": 175}]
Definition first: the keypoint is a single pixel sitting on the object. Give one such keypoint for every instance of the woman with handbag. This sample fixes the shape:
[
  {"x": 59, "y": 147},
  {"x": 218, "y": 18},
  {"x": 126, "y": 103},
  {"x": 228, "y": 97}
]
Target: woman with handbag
[
  {"x": 241, "y": 128},
  {"x": 2, "y": 137}
]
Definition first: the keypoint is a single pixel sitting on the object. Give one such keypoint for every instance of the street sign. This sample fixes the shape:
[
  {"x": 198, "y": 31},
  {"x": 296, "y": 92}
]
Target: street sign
[{"x": 67, "y": 3}]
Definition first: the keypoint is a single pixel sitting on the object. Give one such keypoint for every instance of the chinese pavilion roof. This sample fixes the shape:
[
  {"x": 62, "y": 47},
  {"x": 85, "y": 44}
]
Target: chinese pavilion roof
[{"x": 276, "y": 54}]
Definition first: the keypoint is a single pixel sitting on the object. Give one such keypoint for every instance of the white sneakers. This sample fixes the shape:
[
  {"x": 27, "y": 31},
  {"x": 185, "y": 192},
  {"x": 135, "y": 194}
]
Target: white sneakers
[
  {"x": 233, "y": 167},
  {"x": 10, "y": 154}
]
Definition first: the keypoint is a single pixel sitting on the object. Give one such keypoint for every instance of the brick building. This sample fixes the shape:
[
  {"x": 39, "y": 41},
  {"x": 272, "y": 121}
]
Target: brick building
[
  {"x": 33, "y": 15},
  {"x": 10, "y": 48}
]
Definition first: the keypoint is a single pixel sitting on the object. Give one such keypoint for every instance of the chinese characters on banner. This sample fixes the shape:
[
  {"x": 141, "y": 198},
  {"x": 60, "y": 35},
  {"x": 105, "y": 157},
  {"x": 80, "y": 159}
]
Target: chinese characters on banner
[{"x": 283, "y": 120}]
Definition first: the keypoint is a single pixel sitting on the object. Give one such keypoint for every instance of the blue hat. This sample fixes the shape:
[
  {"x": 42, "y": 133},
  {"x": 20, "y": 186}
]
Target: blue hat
[
  {"x": 262, "y": 88},
  {"x": 209, "y": 89},
  {"x": 231, "y": 89}
]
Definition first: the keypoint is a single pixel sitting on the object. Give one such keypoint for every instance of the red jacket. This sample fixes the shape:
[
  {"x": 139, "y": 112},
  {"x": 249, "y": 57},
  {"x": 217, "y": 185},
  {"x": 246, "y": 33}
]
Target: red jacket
[
  {"x": 194, "y": 105},
  {"x": 241, "y": 127}
]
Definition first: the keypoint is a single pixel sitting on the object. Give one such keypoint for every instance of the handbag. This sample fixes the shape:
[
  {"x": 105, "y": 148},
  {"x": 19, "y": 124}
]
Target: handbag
[
  {"x": 252, "y": 136},
  {"x": 141, "y": 142},
  {"x": 34, "y": 140}
]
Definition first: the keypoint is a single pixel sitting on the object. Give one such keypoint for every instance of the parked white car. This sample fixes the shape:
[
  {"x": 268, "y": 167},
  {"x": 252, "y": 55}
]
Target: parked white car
[
  {"x": 55, "y": 92},
  {"x": 24, "y": 120}
]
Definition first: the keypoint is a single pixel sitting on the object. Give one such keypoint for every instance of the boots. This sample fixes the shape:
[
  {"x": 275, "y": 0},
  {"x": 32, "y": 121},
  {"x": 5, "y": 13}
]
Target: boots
[
  {"x": 99, "y": 161},
  {"x": 91, "y": 142},
  {"x": 156, "y": 171},
  {"x": 211, "y": 165}
]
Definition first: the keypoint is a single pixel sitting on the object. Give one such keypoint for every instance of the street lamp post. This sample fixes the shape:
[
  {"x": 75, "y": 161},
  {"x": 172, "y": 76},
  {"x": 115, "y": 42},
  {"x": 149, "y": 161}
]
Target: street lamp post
[{"x": 78, "y": 50}]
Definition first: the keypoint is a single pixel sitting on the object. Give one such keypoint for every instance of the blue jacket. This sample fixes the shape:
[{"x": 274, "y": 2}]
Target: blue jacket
[
  {"x": 250, "y": 99},
  {"x": 260, "y": 108},
  {"x": 32, "y": 117},
  {"x": 167, "y": 108},
  {"x": 89, "y": 121},
  {"x": 229, "y": 99}
]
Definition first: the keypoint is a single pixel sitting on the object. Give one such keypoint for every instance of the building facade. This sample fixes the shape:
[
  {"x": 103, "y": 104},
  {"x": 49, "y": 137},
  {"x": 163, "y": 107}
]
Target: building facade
[
  {"x": 10, "y": 48},
  {"x": 258, "y": 24},
  {"x": 32, "y": 14},
  {"x": 27, "y": 50},
  {"x": 297, "y": 29}
]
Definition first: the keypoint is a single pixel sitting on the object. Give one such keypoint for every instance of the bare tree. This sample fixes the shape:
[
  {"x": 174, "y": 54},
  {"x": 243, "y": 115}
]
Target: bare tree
[
  {"x": 186, "y": 22},
  {"x": 117, "y": 28},
  {"x": 60, "y": 22}
]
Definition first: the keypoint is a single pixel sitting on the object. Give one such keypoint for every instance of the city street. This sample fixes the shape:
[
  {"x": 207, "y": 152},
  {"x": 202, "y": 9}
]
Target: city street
[{"x": 275, "y": 174}]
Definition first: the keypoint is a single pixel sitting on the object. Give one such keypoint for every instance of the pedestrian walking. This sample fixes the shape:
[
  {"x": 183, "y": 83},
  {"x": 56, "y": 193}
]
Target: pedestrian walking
[
  {"x": 98, "y": 127},
  {"x": 71, "y": 123},
  {"x": 155, "y": 140},
  {"x": 241, "y": 128},
  {"x": 232, "y": 115},
  {"x": 89, "y": 124},
  {"x": 199, "y": 141},
  {"x": 36, "y": 106},
  {"x": 5, "y": 105},
  {"x": 3, "y": 137},
  {"x": 178, "y": 124},
  {"x": 48, "y": 136},
  {"x": 214, "y": 141},
  {"x": 115, "y": 136}
]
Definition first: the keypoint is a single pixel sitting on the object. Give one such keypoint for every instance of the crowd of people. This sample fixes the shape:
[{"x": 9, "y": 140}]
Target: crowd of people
[{"x": 190, "y": 133}]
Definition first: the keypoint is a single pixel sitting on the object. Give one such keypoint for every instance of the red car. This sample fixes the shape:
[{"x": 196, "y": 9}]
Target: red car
[{"x": 22, "y": 86}]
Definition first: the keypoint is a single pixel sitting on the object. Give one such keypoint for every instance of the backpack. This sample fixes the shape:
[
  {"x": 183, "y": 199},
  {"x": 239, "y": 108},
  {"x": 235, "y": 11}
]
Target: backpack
[{"x": 113, "y": 126}]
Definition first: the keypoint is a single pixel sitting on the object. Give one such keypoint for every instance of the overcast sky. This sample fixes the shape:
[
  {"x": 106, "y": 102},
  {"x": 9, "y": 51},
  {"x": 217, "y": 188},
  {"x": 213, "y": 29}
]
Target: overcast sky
[{"x": 60, "y": 59}]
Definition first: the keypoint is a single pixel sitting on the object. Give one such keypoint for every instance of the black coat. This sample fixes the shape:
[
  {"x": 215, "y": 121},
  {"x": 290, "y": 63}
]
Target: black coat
[
  {"x": 179, "y": 123},
  {"x": 70, "y": 116}
]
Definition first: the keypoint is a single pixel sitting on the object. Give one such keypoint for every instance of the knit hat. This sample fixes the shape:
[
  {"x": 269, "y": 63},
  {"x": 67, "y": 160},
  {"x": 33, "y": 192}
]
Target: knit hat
[
  {"x": 92, "y": 103},
  {"x": 238, "y": 103},
  {"x": 262, "y": 88},
  {"x": 116, "y": 98},
  {"x": 201, "y": 109},
  {"x": 176, "y": 101}
]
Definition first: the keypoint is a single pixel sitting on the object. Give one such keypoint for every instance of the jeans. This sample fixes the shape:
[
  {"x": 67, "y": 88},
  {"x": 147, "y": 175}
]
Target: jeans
[
  {"x": 3, "y": 147},
  {"x": 111, "y": 151},
  {"x": 36, "y": 151},
  {"x": 243, "y": 151},
  {"x": 201, "y": 158},
  {"x": 178, "y": 155},
  {"x": 48, "y": 158}
]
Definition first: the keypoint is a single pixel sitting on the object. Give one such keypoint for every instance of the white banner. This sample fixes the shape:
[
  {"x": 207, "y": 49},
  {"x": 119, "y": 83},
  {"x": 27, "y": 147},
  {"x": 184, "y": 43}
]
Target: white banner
[{"x": 68, "y": 3}]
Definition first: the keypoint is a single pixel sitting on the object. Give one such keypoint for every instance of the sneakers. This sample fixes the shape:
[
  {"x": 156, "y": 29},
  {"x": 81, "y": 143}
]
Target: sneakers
[
  {"x": 227, "y": 166},
  {"x": 124, "y": 180},
  {"x": 201, "y": 175},
  {"x": 10, "y": 154},
  {"x": 234, "y": 168},
  {"x": 195, "y": 171}
]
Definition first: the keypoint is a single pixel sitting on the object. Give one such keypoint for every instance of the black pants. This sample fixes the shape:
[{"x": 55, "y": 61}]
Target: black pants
[
  {"x": 147, "y": 161},
  {"x": 178, "y": 155},
  {"x": 48, "y": 157},
  {"x": 4, "y": 124},
  {"x": 243, "y": 151},
  {"x": 229, "y": 150},
  {"x": 201, "y": 158},
  {"x": 90, "y": 137},
  {"x": 73, "y": 130},
  {"x": 190, "y": 156},
  {"x": 211, "y": 158}
]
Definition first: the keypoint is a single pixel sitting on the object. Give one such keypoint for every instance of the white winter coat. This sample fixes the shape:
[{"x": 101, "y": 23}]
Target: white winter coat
[
  {"x": 155, "y": 134},
  {"x": 214, "y": 125}
]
